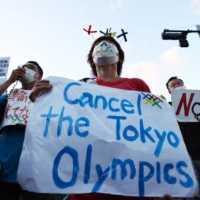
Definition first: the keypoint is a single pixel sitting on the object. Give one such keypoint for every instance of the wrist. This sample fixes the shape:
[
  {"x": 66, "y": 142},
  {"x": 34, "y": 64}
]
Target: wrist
[{"x": 9, "y": 82}]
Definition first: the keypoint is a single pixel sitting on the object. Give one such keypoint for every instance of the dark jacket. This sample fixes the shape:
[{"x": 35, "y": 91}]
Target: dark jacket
[{"x": 191, "y": 135}]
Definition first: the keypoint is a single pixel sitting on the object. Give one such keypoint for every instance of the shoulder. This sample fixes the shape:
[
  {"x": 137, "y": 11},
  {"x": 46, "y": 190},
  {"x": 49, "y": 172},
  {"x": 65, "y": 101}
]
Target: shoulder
[
  {"x": 136, "y": 80},
  {"x": 3, "y": 99},
  {"x": 141, "y": 85}
]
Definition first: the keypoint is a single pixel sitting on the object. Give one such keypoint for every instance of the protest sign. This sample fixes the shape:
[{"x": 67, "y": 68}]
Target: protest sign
[
  {"x": 187, "y": 105},
  {"x": 18, "y": 108},
  {"x": 83, "y": 138},
  {"x": 4, "y": 64}
]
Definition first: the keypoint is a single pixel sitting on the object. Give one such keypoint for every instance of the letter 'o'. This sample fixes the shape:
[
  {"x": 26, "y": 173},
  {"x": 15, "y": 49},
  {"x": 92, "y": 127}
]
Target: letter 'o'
[{"x": 57, "y": 180}]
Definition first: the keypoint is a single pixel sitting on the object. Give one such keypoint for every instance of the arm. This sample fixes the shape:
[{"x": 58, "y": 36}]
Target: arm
[
  {"x": 4, "y": 86},
  {"x": 13, "y": 77},
  {"x": 40, "y": 88}
]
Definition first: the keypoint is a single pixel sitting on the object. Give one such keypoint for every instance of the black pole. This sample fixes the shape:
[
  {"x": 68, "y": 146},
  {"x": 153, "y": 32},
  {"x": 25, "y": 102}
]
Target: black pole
[{"x": 182, "y": 31}]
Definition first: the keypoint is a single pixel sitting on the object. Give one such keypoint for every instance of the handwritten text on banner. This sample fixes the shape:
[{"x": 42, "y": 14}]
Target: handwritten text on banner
[{"x": 86, "y": 138}]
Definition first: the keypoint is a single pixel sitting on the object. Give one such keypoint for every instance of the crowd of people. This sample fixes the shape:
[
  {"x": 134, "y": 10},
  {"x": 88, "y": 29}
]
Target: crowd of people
[{"x": 106, "y": 60}]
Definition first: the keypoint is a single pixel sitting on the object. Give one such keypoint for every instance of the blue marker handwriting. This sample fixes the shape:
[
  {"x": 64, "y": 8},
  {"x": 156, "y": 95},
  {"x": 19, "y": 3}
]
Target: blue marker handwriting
[
  {"x": 166, "y": 173},
  {"x": 139, "y": 130},
  {"x": 130, "y": 133}
]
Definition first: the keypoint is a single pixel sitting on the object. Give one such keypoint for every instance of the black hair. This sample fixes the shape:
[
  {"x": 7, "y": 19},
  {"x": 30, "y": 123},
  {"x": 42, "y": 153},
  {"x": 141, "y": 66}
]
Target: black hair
[
  {"x": 172, "y": 78},
  {"x": 121, "y": 54},
  {"x": 40, "y": 70}
]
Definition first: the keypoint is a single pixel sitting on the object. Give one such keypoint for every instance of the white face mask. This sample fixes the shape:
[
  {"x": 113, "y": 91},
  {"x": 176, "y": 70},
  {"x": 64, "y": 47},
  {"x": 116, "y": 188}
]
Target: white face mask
[
  {"x": 105, "y": 53},
  {"x": 29, "y": 76},
  {"x": 179, "y": 88}
]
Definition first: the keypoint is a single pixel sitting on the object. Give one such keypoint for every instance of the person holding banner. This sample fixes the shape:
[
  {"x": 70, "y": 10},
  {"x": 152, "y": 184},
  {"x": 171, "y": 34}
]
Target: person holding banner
[
  {"x": 14, "y": 109},
  {"x": 190, "y": 130},
  {"x": 106, "y": 59}
]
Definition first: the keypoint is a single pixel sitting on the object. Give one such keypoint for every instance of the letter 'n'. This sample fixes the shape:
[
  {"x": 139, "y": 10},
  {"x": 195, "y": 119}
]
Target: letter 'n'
[{"x": 183, "y": 102}]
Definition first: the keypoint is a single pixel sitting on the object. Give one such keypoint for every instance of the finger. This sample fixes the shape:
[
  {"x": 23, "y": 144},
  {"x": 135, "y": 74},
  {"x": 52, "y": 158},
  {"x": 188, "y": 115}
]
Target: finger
[
  {"x": 40, "y": 82},
  {"x": 43, "y": 85},
  {"x": 39, "y": 90},
  {"x": 20, "y": 70},
  {"x": 43, "y": 81},
  {"x": 43, "y": 88},
  {"x": 20, "y": 74},
  {"x": 33, "y": 95}
]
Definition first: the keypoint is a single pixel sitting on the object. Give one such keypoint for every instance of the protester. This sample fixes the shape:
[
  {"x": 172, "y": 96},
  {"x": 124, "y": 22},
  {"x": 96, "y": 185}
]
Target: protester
[
  {"x": 190, "y": 130},
  {"x": 12, "y": 137},
  {"x": 106, "y": 60},
  {"x": 174, "y": 83}
]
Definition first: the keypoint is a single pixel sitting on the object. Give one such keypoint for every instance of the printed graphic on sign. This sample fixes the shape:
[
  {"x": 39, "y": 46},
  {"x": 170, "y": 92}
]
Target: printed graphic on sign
[
  {"x": 18, "y": 108},
  {"x": 152, "y": 100},
  {"x": 187, "y": 105},
  {"x": 4, "y": 64},
  {"x": 96, "y": 139}
]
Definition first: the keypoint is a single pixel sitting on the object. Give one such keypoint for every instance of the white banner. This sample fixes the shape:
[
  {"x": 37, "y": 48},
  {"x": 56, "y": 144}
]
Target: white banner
[
  {"x": 18, "y": 108},
  {"x": 83, "y": 138},
  {"x": 187, "y": 105},
  {"x": 4, "y": 64}
]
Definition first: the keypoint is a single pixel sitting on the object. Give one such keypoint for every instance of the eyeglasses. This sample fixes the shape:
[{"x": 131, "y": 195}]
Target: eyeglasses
[
  {"x": 173, "y": 85},
  {"x": 29, "y": 66}
]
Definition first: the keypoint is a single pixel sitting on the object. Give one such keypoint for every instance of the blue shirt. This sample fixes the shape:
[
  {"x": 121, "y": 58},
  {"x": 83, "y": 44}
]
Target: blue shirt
[{"x": 11, "y": 143}]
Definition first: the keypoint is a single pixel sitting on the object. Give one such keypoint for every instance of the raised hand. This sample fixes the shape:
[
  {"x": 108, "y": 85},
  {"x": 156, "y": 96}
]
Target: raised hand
[
  {"x": 19, "y": 72},
  {"x": 40, "y": 88}
]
